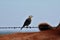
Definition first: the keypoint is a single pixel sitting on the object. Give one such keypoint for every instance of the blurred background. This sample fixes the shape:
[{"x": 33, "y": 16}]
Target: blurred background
[{"x": 14, "y": 12}]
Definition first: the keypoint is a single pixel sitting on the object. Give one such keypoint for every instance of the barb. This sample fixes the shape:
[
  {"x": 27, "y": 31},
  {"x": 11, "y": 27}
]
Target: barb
[{"x": 15, "y": 27}]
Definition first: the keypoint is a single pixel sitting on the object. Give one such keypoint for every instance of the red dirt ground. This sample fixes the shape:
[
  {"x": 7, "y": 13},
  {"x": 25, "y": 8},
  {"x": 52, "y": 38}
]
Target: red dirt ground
[{"x": 53, "y": 34}]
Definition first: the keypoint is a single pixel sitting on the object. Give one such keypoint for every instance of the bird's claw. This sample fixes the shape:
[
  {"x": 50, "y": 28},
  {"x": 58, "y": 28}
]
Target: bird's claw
[
  {"x": 26, "y": 27},
  {"x": 29, "y": 27}
]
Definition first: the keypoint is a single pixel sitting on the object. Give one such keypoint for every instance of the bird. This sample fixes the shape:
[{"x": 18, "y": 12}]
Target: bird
[{"x": 27, "y": 22}]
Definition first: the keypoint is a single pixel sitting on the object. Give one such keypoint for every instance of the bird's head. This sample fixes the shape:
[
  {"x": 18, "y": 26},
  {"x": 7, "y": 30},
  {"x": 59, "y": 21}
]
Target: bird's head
[{"x": 30, "y": 16}]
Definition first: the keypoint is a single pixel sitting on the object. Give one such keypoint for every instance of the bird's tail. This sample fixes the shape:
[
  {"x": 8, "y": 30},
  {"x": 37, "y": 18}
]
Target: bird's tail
[{"x": 22, "y": 27}]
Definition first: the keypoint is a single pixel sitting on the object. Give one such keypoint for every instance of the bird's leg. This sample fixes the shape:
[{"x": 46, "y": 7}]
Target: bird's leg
[
  {"x": 29, "y": 26},
  {"x": 26, "y": 26}
]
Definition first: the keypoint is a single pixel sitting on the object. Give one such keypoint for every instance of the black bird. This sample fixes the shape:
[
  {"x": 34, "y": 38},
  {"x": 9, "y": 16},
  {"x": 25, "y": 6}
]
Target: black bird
[{"x": 27, "y": 22}]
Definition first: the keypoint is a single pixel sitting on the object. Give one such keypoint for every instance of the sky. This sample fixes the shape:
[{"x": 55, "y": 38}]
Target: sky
[{"x": 14, "y": 12}]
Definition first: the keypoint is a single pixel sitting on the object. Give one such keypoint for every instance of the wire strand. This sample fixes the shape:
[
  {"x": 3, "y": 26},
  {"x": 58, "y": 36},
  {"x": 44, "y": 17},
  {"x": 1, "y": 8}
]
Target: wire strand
[{"x": 15, "y": 27}]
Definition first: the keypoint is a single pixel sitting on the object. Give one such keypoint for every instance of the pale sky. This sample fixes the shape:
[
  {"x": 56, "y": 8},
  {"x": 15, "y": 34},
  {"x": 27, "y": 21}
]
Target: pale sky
[{"x": 14, "y": 12}]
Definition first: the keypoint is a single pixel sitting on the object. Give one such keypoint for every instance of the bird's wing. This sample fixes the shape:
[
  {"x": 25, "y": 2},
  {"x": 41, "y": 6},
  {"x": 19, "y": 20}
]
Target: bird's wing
[{"x": 26, "y": 23}]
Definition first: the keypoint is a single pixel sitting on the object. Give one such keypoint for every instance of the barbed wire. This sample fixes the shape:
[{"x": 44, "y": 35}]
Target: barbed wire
[{"x": 15, "y": 27}]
